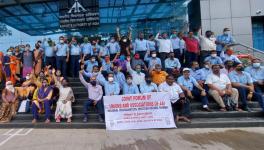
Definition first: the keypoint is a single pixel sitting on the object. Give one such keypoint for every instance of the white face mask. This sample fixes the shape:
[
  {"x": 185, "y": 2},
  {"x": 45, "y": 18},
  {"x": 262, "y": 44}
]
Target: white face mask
[
  {"x": 124, "y": 40},
  {"x": 61, "y": 41},
  {"x": 207, "y": 66},
  {"x": 153, "y": 55},
  {"x": 27, "y": 77},
  {"x": 9, "y": 53},
  {"x": 227, "y": 32},
  {"x": 256, "y": 65},
  {"x": 93, "y": 60},
  {"x": 10, "y": 88},
  {"x": 213, "y": 55},
  {"x": 129, "y": 81},
  {"x": 110, "y": 79}
]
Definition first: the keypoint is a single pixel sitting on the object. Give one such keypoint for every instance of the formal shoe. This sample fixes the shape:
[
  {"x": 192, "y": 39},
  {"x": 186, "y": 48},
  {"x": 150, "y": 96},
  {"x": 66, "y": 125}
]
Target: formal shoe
[
  {"x": 85, "y": 119},
  {"x": 100, "y": 119},
  {"x": 223, "y": 109},
  {"x": 206, "y": 109}
]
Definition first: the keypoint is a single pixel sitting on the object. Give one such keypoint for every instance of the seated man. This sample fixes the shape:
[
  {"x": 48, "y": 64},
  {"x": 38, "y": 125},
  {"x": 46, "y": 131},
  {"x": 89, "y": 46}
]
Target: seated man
[
  {"x": 138, "y": 76},
  {"x": 257, "y": 73},
  {"x": 148, "y": 86},
  {"x": 172, "y": 64},
  {"x": 42, "y": 97},
  {"x": 95, "y": 95},
  {"x": 229, "y": 56},
  {"x": 153, "y": 60},
  {"x": 137, "y": 61},
  {"x": 242, "y": 81},
  {"x": 177, "y": 98},
  {"x": 111, "y": 87},
  {"x": 220, "y": 86},
  {"x": 214, "y": 59},
  {"x": 157, "y": 75},
  {"x": 192, "y": 89},
  {"x": 129, "y": 87},
  {"x": 90, "y": 63}
]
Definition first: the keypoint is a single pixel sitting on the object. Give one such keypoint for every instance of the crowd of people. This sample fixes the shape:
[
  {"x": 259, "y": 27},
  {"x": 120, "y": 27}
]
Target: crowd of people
[{"x": 189, "y": 67}]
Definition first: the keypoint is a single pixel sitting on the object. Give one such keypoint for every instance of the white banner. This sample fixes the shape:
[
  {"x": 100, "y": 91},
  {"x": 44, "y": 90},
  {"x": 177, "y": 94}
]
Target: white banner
[{"x": 138, "y": 111}]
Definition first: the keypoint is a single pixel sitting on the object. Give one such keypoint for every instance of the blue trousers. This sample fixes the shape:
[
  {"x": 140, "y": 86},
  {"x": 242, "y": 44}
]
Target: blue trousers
[
  {"x": 197, "y": 94},
  {"x": 61, "y": 64},
  {"x": 75, "y": 65},
  {"x": 243, "y": 92},
  {"x": 99, "y": 106},
  {"x": 47, "y": 105}
]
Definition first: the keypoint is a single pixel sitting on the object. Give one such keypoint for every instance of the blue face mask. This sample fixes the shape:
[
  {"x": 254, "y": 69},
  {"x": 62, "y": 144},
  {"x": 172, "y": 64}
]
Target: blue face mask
[{"x": 122, "y": 57}]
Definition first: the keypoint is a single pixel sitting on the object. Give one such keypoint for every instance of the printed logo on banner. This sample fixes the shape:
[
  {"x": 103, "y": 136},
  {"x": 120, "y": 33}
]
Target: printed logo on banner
[
  {"x": 138, "y": 111},
  {"x": 74, "y": 14}
]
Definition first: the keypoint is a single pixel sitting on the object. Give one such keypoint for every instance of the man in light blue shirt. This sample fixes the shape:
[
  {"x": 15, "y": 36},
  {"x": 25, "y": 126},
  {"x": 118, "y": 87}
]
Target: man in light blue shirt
[
  {"x": 205, "y": 71},
  {"x": 223, "y": 40},
  {"x": 129, "y": 87},
  {"x": 243, "y": 82},
  {"x": 229, "y": 56},
  {"x": 196, "y": 72},
  {"x": 151, "y": 43},
  {"x": 112, "y": 47},
  {"x": 214, "y": 59},
  {"x": 172, "y": 65},
  {"x": 148, "y": 86},
  {"x": 119, "y": 76},
  {"x": 141, "y": 45},
  {"x": 86, "y": 48},
  {"x": 90, "y": 63},
  {"x": 111, "y": 87},
  {"x": 49, "y": 53},
  {"x": 153, "y": 60},
  {"x": 192, "y": 88},
  {"x": 95, "y": 48},
  {"x": 75, "y": 54},
  {"x": 257, "y": 73},
  {"x": 62, "y": 55}
]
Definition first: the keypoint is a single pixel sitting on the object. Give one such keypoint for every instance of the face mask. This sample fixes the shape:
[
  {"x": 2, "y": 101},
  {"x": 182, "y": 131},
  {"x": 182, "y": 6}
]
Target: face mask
[
  {"x": 226, "y": 33},
  {"x": 213, "y": 55},
  {"x": 154, "y": 55},
  {"x": 74, "y": 43},
  {"x": 22, "y": 49},
  {"x": 148, "y": 81},
  {"x": 129, "y": 81},
  {"x": 27, "y": 48},
  {"x": 93, "y": 59},
  {"x": 136, "y": 56},
  {"x": 173, "y": 36},
  {"x": 125, "y": 40},
  {"x": 85, "y": 40},
  {"x": 95, "y": 73},
  {"x": 110, "y": 79},
  {"x": 93, "y": 83},
  {"x": 9, "y": 53},
  {"x": 240, "y": 69},
  {"x": 256, "y": 65},
  {"x": 27, "y": 77},
  {"x": 138, "y": 70},
  {"x": 229, "y": 52},
  {"x": 61, "y": 41},
  {"x": 171, "y": 57},
  {"x": 206, "y": 66},
  {"x": 112, "y": 40}
]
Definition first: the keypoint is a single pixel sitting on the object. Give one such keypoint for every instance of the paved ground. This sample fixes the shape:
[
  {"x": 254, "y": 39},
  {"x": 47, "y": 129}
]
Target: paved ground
[{"x": 169, "y": 139}]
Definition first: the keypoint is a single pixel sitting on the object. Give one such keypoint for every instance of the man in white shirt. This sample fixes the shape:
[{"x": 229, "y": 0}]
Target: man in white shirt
[
  {"x": 165, "y": 47},
  {"x": 220, "y": 86},
  {"x": 138, "y": 77},
  {"x": 207, "y": 44},
  {"x": 177, "y": 98}
]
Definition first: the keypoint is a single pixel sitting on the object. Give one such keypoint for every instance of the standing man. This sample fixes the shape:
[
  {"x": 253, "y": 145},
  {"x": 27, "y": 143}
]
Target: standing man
[
  {"x": 141, "y": 45},
  {"x": 207, "y": 44},
  {"x": 223, "y": 40},
  {"x": 112, "y": 48},
  {"x": 86, "y": 49},
  {"x": 192, "y": 48},
  {"x": 75, "y": 51},
  {"x": 165, "y": 47},
  {"x": 62, "y": 55},
  {"x": 49, "y": 53}
]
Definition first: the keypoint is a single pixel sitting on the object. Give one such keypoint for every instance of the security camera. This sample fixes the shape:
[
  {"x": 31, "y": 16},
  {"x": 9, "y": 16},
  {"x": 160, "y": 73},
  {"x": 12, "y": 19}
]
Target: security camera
[{"x": 258, "y": 12}]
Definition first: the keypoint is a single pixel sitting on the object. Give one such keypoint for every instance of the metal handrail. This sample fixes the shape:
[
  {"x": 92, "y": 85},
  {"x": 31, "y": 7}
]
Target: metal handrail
[{"x": 248, "y": 47}]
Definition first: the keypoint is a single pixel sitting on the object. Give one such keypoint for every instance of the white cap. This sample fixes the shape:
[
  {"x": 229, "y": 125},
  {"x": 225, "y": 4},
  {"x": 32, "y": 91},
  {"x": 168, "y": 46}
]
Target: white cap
[{"x": 186, "y": 69}]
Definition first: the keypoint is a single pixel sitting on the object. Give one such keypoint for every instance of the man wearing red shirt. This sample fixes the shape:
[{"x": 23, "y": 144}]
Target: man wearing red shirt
[{"x": 192, "y": 48}]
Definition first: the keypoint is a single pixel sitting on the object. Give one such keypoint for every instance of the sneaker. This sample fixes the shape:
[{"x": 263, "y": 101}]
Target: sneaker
[
  {"x": 47, "y": 121},
  {"x": 85, "y": 119}
]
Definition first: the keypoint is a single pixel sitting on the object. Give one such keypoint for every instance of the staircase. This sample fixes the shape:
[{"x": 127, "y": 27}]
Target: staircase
[{"x": 200, "y": 119}]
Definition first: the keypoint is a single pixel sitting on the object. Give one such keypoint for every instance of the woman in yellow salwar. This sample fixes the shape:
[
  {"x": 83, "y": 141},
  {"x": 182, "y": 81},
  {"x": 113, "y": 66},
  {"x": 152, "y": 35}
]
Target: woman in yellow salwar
[{"x": 9, "y": 103}]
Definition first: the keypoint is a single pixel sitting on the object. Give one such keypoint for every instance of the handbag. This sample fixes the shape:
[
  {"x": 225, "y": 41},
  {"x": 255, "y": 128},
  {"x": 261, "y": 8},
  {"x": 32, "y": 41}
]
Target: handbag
[{"x": 229, "y": 103}]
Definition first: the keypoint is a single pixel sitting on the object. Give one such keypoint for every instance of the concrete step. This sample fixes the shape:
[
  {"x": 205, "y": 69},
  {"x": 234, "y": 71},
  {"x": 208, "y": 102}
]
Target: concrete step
[{"x": 223, "y": 122}]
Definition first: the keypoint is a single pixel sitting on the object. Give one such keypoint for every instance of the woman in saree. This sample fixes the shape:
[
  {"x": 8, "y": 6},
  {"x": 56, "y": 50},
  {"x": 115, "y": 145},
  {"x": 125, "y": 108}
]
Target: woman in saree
[
  {"x": 43, "y": 99},
  {"x": 18, "y": 61},
  {"x": 9, "y": 104},
  {"x": 64, "y": 103}
]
